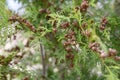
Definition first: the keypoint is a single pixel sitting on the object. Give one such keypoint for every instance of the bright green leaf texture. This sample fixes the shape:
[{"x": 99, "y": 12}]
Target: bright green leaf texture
[{"x": 60, "y": 40}]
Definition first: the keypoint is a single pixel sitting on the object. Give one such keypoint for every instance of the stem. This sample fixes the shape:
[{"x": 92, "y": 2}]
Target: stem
[{"x": 43, "y": 56}]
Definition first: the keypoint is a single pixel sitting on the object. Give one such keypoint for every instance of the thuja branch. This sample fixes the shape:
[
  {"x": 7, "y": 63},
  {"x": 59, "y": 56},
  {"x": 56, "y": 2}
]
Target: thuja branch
[
  {"x": 98, "y": 46},
  {"x": 21, "y": 20}
]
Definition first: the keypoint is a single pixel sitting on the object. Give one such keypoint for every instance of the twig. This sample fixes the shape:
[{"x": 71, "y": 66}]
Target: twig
[{"x": 43, "y": 56}]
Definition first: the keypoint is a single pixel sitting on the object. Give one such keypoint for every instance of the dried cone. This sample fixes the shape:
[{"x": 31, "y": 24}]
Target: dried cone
[
  {"x": 117, "y": 58},
  {"x": 84, "y": 25},
  {"x": 104, "y": 20},
  {"x": 66, "y": 43},
  {"x": 102, "y": 27},
  {"x": 43, "y": 10},
  {"x": 87, "y": 33},
  {"x": 103, "y": 54},
  {"x": 70, "y": 56},
  {"x": 26, "y": 78},
  {"x": 75, "y": 23},
  {"x": 112, "y": 52},
  {"x": 68, "y": 49},
  {"x": 72, "y": 33},
  {"x": 65, "y": 25},
  {"x": 103, "y": 23},
  {"x": 71, "y": 65},
  {"x": 22, "y": 21},
  {"x": 94, "y": 44},
  {"x": 84, "y": 5}
]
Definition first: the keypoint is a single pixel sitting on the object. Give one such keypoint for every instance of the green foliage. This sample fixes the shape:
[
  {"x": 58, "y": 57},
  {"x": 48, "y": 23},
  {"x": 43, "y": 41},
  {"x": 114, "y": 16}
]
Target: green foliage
[
  {"x": 68, "y": 34},
  {"x": 4, "y": 15},
  {"x": 114, "y": 25}
]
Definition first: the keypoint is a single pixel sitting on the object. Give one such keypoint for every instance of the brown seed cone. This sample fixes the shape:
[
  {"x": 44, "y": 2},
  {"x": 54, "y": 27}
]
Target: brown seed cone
[
  {"x": 103, "y": 54},
  {"x": 117, "y": 58},
  {"x": 66, "y": 43},
  {"x": 68, "y": 49},
  {"x": 65, "y": 25},
  {"x": 112, "y": 52}
]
